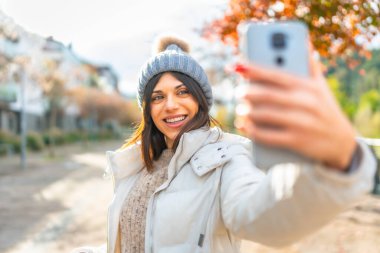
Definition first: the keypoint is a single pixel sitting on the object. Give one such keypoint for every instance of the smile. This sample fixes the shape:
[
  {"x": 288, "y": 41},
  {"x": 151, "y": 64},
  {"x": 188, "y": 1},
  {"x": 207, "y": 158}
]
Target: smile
[{"x": 175, "y": 120}]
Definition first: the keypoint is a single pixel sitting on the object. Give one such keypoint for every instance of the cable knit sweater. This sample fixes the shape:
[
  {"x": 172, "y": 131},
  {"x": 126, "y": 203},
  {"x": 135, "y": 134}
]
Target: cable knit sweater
[{"x": 133, "y": 214}]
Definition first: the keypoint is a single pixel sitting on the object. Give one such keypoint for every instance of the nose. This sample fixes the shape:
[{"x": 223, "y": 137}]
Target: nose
[{"x": 171, "y": 103}]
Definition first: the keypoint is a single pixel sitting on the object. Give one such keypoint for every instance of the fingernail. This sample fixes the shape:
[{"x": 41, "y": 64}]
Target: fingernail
[{"x": 240, "y": 68}]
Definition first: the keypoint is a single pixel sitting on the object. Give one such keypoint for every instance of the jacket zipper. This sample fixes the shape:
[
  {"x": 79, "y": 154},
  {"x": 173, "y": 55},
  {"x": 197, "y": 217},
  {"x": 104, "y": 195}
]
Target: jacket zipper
[
  {"x": 151, "y": 216},
  {"x": 204, "y": 223}
]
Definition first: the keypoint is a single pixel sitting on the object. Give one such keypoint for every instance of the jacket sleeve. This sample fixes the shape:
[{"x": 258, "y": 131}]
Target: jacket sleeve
[{"x": 292, "y": 200}]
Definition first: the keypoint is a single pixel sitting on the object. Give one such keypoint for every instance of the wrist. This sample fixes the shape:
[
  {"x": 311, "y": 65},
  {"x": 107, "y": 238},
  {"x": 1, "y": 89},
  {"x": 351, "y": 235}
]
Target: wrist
[{"x": 346, "y": 156}]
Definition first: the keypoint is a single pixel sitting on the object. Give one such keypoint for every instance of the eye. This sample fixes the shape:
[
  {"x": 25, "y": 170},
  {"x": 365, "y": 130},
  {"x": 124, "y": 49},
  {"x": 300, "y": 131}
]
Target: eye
[
  {"x": 157, "y": 98},
  {"x": 183, "y": 92}
]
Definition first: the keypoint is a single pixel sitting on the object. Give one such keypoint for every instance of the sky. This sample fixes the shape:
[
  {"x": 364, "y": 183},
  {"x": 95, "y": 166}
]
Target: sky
[{"x": 115, "y": 32}]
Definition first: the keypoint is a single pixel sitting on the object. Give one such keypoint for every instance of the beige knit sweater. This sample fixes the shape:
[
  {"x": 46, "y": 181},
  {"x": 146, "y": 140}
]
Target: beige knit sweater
[{"x": 133, "y": 213}]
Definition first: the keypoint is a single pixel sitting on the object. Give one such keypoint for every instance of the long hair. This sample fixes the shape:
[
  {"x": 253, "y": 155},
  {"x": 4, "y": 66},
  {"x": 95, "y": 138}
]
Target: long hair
[{"x": 152, "y": 140}]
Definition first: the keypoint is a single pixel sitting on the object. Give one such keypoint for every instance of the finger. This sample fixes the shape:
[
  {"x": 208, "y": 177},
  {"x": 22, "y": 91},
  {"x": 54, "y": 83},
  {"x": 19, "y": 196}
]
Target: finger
[
  {"x": 300, "y": 100},
  {"x": 270, "y": 136},
  {"x": 295, "y": 140},
  {"x": 280, "y": 119},
  {"x": 261, "y": 75}
]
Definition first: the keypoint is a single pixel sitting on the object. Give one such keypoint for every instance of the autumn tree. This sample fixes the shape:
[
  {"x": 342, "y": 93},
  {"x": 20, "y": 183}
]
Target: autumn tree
[
  {"x": 106, "y": 106},
  {"x": 53, "y": 86},
  {"x": 7, "y": 37},
  {"x": 337, "y": 28}
]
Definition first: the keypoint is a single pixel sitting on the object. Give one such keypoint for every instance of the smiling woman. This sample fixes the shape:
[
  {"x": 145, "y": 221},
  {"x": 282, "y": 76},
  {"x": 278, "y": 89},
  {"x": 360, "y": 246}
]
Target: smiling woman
[{"x": 183, "y": 186}]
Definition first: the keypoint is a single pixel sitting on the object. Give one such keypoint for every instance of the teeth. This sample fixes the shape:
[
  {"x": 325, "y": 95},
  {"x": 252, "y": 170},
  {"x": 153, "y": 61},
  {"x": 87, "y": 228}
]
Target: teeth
[{"x": 172, "y": 120}]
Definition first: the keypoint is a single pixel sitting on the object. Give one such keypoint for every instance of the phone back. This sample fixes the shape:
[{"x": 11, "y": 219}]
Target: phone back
[
  {"x": 277, "y": 45},
  {"x": 280, "y": 45}
]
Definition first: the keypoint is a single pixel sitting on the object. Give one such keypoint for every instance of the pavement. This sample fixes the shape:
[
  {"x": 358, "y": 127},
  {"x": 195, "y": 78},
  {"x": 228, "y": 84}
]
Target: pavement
[{"x": 57, "y": 203}]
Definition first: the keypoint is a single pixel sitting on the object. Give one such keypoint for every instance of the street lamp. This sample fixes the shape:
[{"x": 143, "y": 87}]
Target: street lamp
[
  {"x": 23, "y": 121},
  {"x": 23, "y": 60}
]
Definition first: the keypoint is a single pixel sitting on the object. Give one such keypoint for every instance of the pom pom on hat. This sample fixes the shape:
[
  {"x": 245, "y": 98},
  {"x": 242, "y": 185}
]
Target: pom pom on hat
[{"x": 163, "y": 42}]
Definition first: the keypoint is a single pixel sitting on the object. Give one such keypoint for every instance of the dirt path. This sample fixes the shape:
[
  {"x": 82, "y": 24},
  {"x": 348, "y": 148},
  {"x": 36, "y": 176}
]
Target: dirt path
[{"x": 56, "y": 205}]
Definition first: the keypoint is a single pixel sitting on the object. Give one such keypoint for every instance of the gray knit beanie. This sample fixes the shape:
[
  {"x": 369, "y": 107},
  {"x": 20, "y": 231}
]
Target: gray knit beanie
[{"x": 172, "y": 55}]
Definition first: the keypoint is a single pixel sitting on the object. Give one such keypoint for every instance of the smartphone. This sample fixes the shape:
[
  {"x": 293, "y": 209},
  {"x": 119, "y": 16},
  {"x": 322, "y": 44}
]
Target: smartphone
[{"x": 277, "y": 45}]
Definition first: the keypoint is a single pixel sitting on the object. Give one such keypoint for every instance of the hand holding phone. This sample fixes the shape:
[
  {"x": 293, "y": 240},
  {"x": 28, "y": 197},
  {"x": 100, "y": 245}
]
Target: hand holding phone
[
  {"x": 293, "y": 117},
  {"x": 275, "y": 45}
]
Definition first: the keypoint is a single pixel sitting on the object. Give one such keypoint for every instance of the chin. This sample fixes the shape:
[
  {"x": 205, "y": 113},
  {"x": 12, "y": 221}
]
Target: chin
[{"x": 171, "y": 136}]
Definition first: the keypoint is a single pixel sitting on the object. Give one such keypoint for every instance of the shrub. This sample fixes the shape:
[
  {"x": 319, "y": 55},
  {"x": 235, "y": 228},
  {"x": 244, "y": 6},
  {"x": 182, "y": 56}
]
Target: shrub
[
  {"x": 56, "y": 134},
  {"x": 35, "y": 141},
  {"x": 10, "y": 139},
  {"x": 368, "y": 122},
  {"x": 72, "y": 137},
  {"x": 105, "y": 134}
]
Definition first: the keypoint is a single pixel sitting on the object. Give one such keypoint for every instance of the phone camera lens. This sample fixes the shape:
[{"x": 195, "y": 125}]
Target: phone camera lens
[
  {"x": 278, "y": 41},
  {"x": 280, "y": 61}
]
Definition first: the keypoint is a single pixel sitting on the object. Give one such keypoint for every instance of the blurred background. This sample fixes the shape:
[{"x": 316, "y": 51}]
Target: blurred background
[{"x": 68, "y": 74}]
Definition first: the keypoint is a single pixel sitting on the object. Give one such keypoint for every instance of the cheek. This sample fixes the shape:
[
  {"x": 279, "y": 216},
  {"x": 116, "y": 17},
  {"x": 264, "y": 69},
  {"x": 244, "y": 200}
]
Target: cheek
[
  {"x": 154, "y": 113},
  {"x": 194, "y": 108}
]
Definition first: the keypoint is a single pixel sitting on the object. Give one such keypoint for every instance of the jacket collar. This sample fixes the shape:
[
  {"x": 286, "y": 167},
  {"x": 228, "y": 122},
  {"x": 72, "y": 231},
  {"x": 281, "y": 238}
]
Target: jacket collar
[
  {"x": 124, "y": 162},
  {"x": 190, "y": 143},
  {"x": 128, "y": 161}
]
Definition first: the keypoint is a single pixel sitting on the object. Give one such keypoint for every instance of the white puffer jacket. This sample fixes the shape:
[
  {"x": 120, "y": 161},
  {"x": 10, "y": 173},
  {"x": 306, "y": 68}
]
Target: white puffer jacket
[{"x": 214, "y": 196}]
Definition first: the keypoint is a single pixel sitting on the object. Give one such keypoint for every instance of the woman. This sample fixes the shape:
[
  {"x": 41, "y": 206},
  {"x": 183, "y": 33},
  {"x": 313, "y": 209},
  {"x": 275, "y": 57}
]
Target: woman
[{"x": 181, "y": 185}]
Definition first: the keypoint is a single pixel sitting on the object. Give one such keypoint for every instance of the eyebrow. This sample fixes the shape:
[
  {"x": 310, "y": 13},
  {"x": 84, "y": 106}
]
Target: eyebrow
[{"x": 177, "y": 87}]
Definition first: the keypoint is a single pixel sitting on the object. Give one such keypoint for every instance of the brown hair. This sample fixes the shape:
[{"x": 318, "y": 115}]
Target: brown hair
[{"x": 152, "y": 140}]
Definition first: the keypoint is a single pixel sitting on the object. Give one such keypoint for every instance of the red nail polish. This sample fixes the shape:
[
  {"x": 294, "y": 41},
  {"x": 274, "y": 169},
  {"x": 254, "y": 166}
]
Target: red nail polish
[{"x": 240, "y": 68}]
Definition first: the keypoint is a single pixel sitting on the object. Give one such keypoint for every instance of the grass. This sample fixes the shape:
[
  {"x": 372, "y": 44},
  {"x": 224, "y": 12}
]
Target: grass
[{"x": 377, "y": 151}]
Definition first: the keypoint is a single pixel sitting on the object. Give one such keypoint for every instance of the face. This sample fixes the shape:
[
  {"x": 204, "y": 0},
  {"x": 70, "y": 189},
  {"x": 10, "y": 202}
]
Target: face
[{"x": 172, "y": 107}]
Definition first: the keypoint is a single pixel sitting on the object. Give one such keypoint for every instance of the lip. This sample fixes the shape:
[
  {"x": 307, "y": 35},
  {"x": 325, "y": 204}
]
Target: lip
[{"x": 176, "y": 124}]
